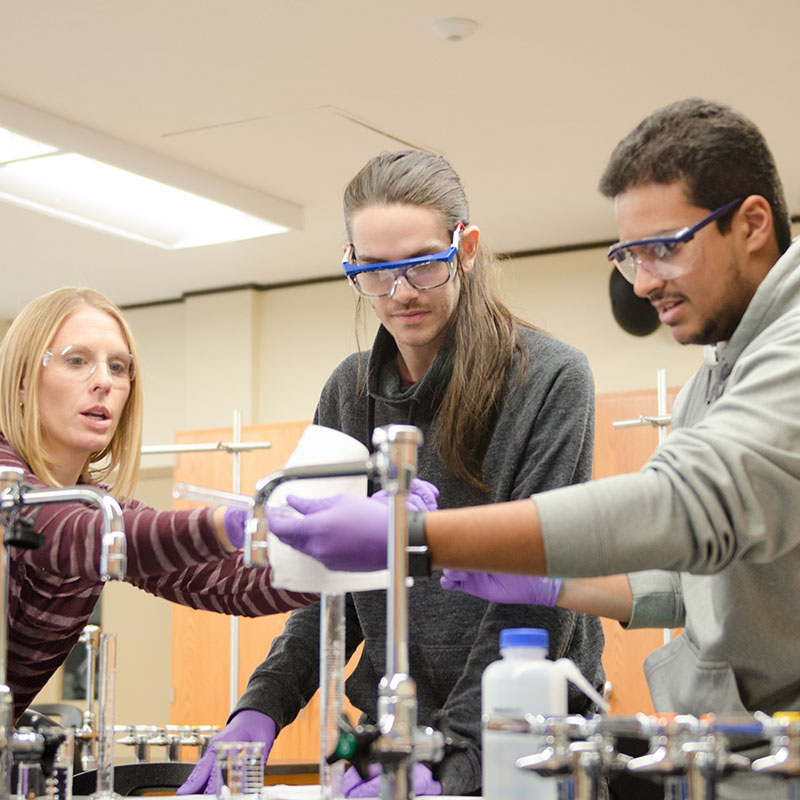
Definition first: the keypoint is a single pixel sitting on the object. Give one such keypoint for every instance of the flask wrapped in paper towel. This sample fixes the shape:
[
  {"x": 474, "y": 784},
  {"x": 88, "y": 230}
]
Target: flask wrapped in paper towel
[{"x": 295, "y": 570}]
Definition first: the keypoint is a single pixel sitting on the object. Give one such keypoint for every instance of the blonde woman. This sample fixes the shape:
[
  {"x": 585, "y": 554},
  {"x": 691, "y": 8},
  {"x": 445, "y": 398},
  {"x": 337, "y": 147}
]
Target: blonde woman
[{"x": 71, "y": 413}]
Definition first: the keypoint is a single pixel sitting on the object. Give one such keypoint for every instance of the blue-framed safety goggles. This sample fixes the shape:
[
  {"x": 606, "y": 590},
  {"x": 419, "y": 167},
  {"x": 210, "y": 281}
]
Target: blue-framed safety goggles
[
  {"x": 421, "y": 272},
  {"x": 655, "y": 253}
]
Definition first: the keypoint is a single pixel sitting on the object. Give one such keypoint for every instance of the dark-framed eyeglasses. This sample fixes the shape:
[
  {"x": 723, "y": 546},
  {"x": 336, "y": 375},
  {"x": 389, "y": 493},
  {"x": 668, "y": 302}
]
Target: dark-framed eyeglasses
[
  {"x": 421, "y": 273},
  {"x": 659, "y": 255}
]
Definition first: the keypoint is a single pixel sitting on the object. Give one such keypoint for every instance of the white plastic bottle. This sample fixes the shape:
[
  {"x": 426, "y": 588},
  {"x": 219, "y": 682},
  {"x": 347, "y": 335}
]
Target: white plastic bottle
[{"x": 522, "y": 682}]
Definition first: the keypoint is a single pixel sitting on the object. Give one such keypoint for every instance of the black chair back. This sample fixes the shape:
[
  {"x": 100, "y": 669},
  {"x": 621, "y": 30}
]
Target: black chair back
[{"x": 136, "y": 780}]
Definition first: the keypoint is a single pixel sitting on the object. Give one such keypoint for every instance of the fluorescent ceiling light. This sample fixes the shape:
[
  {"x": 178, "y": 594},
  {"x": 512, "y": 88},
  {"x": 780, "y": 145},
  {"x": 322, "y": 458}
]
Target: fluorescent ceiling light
[
  {"x": 86, "y": 178},
  {"x": 79, "y": 189},
  {"x": 14, "y": 146}
]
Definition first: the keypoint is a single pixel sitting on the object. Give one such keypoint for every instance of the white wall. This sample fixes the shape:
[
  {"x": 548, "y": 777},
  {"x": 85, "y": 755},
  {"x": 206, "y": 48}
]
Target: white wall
[
  {"x": 567, "y": 295},
  {"x": 268, "y": 353},
  {"x": 303, "y": 333}
]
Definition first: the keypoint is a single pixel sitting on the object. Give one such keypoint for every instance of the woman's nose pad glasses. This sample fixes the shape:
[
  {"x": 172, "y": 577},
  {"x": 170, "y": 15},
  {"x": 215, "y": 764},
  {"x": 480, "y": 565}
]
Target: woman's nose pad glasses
[
  {"x": 421, "y": 273},
  {"x": 81, "y": 362}
]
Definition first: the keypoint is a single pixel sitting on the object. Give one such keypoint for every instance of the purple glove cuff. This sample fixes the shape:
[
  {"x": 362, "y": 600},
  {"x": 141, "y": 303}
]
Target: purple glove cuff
[
  {"x": 549, "y": 597},
  {"x": 354, "y": 785},
  {"x": 504, "y": 588},
  {"x": 235, "y": 520}
]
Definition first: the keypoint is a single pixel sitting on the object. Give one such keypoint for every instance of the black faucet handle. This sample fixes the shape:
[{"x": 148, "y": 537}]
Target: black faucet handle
[
  {"x": 453, "y": 743},
  {"x": 354, "y": 744},
  {"x": 21, "y": 534}
]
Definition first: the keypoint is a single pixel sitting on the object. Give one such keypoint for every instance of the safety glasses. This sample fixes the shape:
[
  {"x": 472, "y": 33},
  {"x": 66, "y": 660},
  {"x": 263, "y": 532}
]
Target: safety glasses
[
  {"x": 80, "y": 363},
  {"x": 659, "y": 255},
  {"x": 422, "y": 272}
]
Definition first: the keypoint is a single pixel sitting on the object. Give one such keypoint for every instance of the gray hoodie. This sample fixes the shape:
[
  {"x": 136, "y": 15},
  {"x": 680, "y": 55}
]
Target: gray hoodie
[
  {"x": 542, "y": 438},
  {"x": 718, "y": 505}
]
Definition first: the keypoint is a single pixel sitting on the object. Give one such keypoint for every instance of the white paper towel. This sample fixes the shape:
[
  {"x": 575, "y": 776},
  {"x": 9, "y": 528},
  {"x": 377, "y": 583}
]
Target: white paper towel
[{"x": 295, "y": 570}]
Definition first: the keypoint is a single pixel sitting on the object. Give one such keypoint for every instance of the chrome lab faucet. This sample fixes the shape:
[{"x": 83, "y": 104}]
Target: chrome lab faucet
[
  {"x": 397, "y": 742},
  {"x": 15, "y": 495}
]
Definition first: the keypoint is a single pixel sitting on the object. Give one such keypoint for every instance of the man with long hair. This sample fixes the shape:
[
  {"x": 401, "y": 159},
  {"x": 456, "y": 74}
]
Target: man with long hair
[{"x": 505, "y": 410}]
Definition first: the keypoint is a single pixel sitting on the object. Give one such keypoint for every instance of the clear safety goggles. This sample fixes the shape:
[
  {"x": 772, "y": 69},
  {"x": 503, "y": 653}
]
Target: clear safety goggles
[
  {"x": 81, "y": 363},
  {"x": 421, "y": 273},
  {"x": 659, "y": 254}
]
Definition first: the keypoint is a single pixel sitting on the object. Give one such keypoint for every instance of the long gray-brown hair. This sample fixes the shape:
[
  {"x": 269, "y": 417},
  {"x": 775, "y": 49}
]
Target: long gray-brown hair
[{"x": 484, "y": 330}]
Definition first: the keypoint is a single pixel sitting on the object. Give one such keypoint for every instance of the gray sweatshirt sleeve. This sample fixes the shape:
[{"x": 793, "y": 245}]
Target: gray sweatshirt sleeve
[
  {"x": 657, "y": 600},
  {"x": 286, "y": 680},
  {"x": 721, "y": 489}
]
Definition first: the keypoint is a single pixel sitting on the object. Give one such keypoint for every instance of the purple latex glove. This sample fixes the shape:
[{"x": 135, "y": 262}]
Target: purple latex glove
[
  {"x": 344, "y": 532},
  {"x": 246, "y": 726},
  {"x": 534, "y": 590},
  {"x": 421, "y": 497},
  {"x": 355, "y": 786},
  {"x": 235, "y": 519}
]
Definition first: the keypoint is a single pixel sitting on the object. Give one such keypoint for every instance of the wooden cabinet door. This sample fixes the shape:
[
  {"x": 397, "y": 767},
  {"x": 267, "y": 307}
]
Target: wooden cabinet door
[
  {"x": 201, "y": 639},
  {"x": 616, "y": 451}
]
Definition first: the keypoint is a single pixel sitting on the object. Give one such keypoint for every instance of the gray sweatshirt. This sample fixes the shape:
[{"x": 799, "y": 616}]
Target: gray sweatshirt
[
  {"x": 718, "y": 505},
  {"x": 542, "y": 438}
]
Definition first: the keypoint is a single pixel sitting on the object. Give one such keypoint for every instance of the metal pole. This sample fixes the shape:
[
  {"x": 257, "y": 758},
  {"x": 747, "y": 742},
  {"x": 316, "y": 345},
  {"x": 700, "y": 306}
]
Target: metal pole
[
  {"x": 661, "y": 394},
  {"x": 395, "y": 464},
  {"x": 87, "y": 734},
  {"x": 331, "y": 689},
  {"x": 397, "y": 447},
  {"x": 661, "y": 399},
  {"x": 10, "y": 478},
  {"x": 105, "y": 733},
  {"x": 13, "y": 497},
  {"x": 203, "y": 447},
  {"x": 233, "y": 685}
]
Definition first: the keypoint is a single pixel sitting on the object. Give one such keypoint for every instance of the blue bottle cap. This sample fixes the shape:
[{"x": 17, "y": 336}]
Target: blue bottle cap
[{"x": 524, "y": 637}]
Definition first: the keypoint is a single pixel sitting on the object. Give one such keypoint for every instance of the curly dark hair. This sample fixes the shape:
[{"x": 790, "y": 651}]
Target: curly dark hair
[{"x": 717, "y": 152}]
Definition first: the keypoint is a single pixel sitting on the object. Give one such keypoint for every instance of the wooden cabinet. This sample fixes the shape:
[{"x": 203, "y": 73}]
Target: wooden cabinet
[
  {"x": 619, "y": 450},
  {"x": 201, "y": 639}
]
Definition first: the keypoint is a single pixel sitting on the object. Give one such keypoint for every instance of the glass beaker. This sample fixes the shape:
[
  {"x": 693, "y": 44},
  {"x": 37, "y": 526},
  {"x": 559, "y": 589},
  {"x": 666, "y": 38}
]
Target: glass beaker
[
  {"x": 242, "y": 767},
  {"x": 59, "y": 784}
]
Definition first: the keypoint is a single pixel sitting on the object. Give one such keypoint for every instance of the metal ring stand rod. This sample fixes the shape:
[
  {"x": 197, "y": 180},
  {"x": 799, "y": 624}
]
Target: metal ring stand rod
[
  {"x": 204, "y": 447},
  {"x": 234, "y": 448},
  {"x": 233, "y": 675},
  {"x": 661, "y": 422},
  {"x": 395, "y": 463}
]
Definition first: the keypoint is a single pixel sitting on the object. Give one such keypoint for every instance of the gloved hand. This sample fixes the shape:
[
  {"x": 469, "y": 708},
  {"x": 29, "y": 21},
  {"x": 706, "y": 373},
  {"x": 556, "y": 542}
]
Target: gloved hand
[
  {"x": 344, "y": 532},
  {"x": 355, "y": 786},
  {"x": 534, "y": 590},
  {"x": 246, "y": 726},
  {"x": 421, "y": 497},
  {"x": 235, "y": 519}
]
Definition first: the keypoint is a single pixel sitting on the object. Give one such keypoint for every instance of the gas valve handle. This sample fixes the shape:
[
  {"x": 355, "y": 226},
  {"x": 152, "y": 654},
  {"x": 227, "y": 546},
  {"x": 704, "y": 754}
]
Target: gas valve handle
[
  {"x": 21, "y": 534},
  {"x": 354, "y": 745},
  {"x": 452, "y": 742}
]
